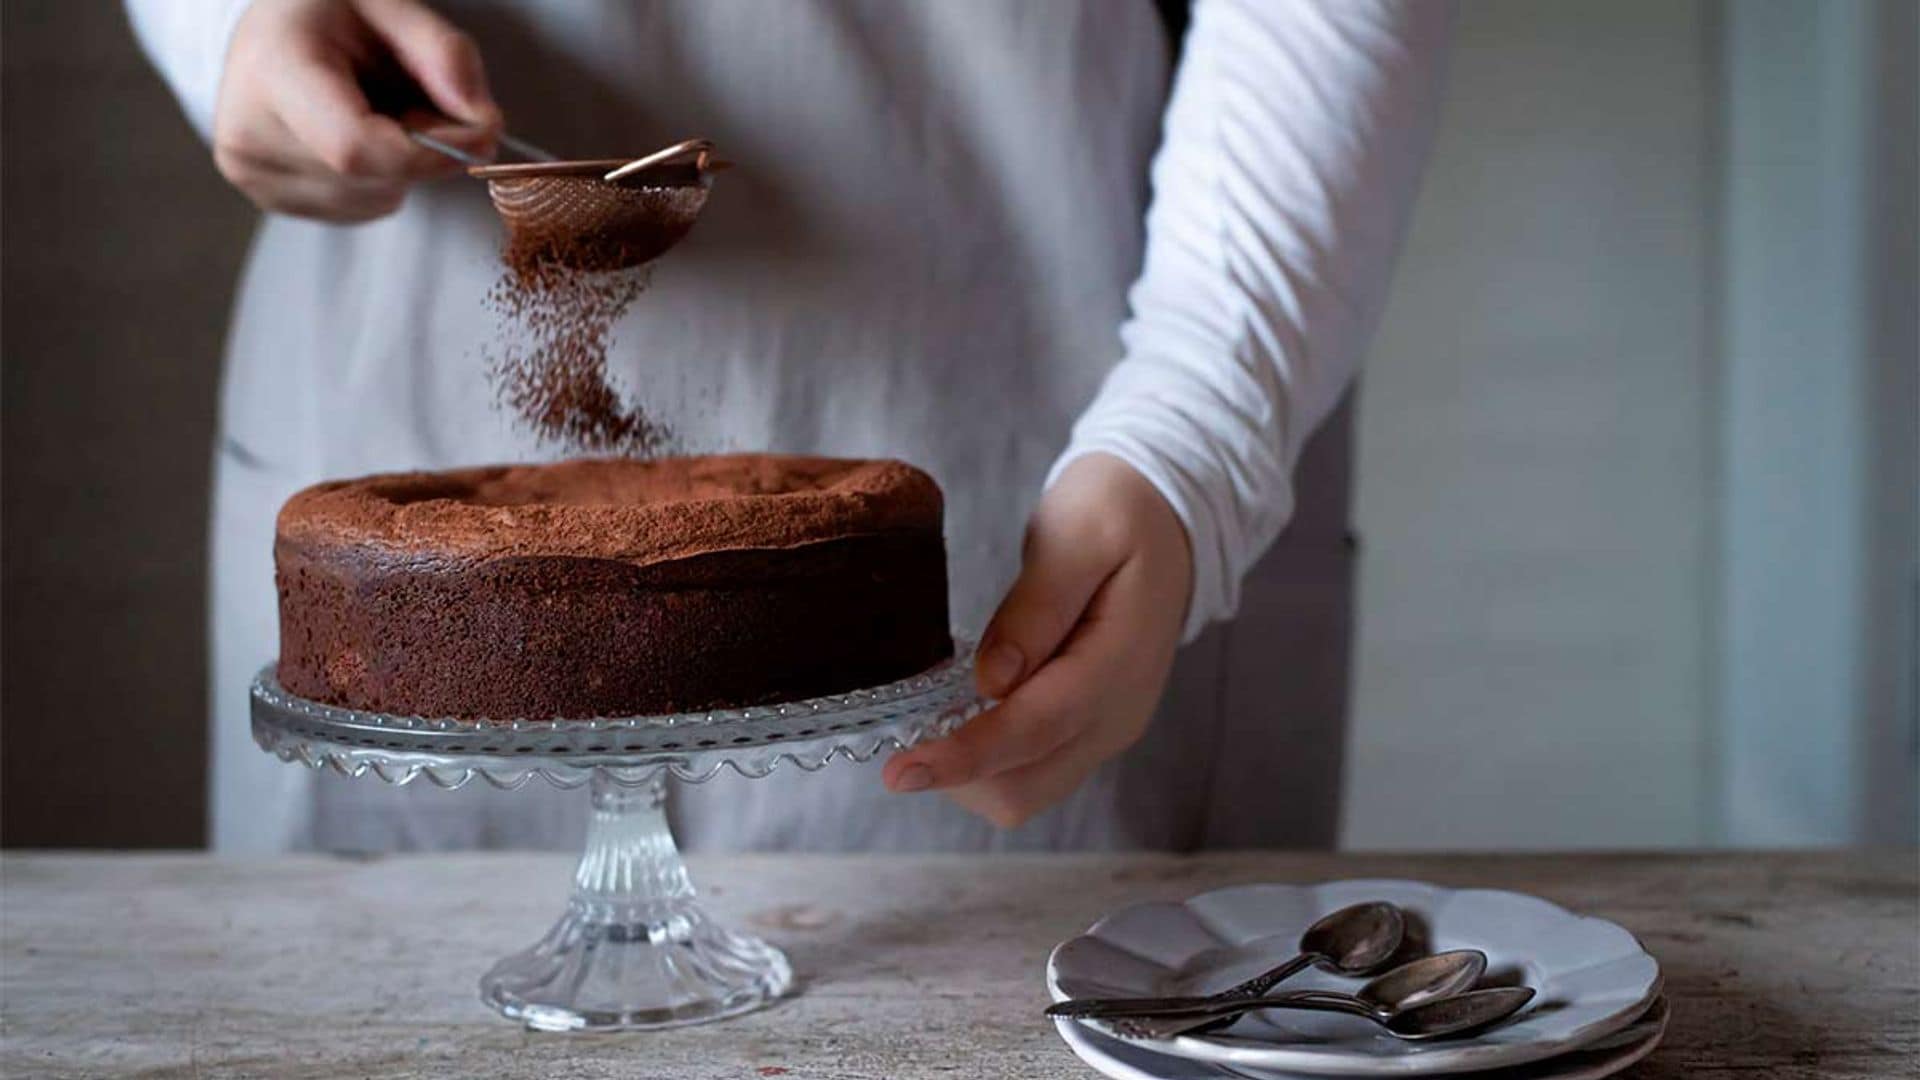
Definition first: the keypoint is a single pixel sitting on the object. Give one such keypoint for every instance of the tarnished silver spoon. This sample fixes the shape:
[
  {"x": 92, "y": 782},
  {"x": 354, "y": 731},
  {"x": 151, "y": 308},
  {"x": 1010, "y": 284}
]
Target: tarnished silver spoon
[
  {"x": 1353, "y": 941},
  {"x": 1436, "y": 1018},
  {"x": 1413, "y": 983}
]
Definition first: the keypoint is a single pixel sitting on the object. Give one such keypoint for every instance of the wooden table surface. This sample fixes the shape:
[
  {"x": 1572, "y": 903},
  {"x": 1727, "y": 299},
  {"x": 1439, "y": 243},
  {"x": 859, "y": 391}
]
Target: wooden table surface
[{"x": 187, "y": 965}]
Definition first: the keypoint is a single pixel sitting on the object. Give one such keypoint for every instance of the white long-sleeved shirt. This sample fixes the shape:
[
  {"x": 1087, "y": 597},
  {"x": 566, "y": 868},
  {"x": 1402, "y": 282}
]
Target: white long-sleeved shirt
[
  {"x": 1294, "y": 142},
  {"x": 187, "y": 40},
  {"x": 932, "y": 238}
]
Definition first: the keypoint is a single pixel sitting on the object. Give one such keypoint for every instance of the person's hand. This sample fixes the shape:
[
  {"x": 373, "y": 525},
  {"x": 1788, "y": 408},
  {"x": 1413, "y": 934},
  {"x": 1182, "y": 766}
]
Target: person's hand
[
  {"x": 1077, "y": 654},
  {"x": 293, "y": 128}
]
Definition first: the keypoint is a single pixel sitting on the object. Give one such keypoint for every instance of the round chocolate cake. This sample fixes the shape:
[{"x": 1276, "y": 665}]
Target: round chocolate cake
[{"x": 610, "y": 587}]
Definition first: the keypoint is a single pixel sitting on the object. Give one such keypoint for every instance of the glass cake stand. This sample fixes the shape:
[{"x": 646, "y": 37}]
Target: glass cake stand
[{"x": 634, "y": 948}]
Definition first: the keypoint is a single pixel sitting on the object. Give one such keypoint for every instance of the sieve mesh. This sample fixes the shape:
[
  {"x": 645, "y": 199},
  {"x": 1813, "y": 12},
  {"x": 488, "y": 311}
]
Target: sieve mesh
[{"x": 565, "y": 213}]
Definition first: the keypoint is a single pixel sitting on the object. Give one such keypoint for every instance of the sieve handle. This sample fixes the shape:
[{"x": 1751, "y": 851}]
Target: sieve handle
[
  {"x": 446, "y": 148},
  {"x": 700, "y": 148},
  {"x": 519, "y": 146}
]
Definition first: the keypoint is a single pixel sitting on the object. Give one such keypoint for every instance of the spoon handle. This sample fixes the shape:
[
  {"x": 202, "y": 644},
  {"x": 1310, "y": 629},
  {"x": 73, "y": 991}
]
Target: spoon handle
[
  {"x": 1168, "y": 1025},
  {"x": 1199, "y": 1007},
  {"x": 526, "y": 149},
  {"x": 677, "y": 150},
  {"x": 1266, "y": 980},
  {"x": 1089, "y": 1008}
]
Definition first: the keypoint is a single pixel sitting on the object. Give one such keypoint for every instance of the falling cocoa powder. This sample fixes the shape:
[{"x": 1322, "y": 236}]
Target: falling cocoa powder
[
  {"x": 550, "y": 367},
  {"x": 561, "y": 293}
]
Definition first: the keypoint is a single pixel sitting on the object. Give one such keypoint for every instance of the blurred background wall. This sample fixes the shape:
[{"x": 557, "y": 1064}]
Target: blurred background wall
[
  {"x": 1537, "y": 442},
  {"x": 1637, "y": 485},
  {"x": 118, "y": 250},
  {"x": 1637, "y": 476}
]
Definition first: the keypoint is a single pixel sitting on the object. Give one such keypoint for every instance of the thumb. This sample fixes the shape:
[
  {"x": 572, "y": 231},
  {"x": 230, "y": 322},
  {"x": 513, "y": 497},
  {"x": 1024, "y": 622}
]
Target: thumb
[
  {"x": 1058, "y": 576},
  {"x": 438, "y": 56}
]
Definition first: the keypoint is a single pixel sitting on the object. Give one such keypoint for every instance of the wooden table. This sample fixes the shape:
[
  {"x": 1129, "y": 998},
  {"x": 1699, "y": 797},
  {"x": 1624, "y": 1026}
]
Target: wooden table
[{"x": 187, "y": 965}]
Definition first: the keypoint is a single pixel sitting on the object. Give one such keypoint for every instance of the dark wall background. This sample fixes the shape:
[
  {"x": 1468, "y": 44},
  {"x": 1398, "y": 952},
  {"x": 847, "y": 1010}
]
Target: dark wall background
[{"x": 118, "y": 250}]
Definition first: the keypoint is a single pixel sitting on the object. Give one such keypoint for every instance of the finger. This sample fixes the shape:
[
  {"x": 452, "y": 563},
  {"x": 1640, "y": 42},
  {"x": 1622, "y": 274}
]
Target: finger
[
  {"x": 294, "y": 188},
  {"x": 318, "y": 99},
  {"x": 1034, "y": 721},
  {"x": 1012, "y": 798},
  {"x": 442, "y": 59},
  {"x": 1060, "y": 704},
  {"x": 277, "y": 157},
  {"x": 266, "y": 163},
  {"x": 478, "y": 142},
  {"x": 1063, "y": 703},
  {"x": 1057, "y": 579},
  {"x": 310, "y": 198}
]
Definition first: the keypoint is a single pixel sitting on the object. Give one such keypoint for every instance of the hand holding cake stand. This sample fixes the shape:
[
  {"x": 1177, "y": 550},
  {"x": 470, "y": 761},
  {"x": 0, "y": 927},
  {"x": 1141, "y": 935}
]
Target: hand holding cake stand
[{"x": 634, "y": 948}]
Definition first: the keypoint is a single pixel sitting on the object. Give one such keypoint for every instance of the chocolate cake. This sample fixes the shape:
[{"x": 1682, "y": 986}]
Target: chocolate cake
[{"x": 610, "y": 587}]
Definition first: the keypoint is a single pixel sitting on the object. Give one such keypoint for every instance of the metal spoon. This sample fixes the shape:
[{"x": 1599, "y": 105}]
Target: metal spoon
[
  {"x": 1435, "y": 1019},
  {"x": 1353, "y": 941},
  {"x": 1413, "y": 983}
]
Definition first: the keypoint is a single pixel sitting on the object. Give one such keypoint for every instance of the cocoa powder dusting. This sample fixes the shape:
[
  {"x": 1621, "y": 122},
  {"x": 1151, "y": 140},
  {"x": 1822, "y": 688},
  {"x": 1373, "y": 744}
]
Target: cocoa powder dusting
[{"x": 561, "y": 293}]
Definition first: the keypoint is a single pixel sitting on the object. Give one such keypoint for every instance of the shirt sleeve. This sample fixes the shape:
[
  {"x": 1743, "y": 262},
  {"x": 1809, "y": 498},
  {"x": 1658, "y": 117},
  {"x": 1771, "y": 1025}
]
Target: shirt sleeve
[
  {"x": 187, "y": 41},
  {"x": 1295, "y": 138}
]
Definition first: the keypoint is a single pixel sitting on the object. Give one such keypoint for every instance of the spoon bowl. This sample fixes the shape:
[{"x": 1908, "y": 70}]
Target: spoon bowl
[
  {"x": 1430, "y": 978},
  {"x": 1356, "y": 939},
  {"x": 1459, "y": 1014}
]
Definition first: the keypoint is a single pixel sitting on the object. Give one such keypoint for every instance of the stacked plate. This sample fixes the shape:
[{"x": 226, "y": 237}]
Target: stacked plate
[{"x": 1597, "y": 1008}]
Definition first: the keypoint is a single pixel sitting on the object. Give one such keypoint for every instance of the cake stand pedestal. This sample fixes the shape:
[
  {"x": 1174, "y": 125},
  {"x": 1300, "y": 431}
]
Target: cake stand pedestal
[{"x": 634, "y": 948}]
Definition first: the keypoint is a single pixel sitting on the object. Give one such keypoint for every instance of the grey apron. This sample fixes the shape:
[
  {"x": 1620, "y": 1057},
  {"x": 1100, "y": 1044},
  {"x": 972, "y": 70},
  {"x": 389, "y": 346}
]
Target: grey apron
[{"x": 924, "y": 253}]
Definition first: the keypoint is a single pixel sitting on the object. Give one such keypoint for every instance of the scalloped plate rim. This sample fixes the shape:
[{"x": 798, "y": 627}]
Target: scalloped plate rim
[{"x": 1094, "y": 1048}]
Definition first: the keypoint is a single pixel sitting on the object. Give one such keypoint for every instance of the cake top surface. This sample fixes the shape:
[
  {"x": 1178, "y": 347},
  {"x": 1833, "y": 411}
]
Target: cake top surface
[{"x": 640, "y": 512}]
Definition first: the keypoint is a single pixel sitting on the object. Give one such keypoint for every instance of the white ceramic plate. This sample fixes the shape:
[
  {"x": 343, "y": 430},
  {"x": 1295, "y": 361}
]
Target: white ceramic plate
[
  {"x": 1123, "y": 1060},
  {"x": 1591, "y": 976}
]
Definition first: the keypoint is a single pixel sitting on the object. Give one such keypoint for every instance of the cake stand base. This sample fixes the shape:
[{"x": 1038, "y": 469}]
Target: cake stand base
[{"x": 634, "y": 949}]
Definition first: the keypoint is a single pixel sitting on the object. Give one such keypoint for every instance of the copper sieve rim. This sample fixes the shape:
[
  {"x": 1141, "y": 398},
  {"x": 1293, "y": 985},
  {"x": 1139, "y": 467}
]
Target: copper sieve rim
[{"x": 679, "y": 174}]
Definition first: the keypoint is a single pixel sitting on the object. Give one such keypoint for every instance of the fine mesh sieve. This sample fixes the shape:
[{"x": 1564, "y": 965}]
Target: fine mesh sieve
[{"x": 568, "y": 212}]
